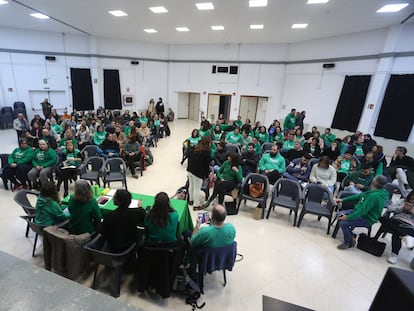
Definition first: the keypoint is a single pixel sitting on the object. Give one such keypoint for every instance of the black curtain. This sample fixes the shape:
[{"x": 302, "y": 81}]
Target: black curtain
[
  {"x": 82, "y": 94},
  {"x": 112, "y": 89},
  {"x": 396, "y": 116},
  {"x": 351, "y": 102}
]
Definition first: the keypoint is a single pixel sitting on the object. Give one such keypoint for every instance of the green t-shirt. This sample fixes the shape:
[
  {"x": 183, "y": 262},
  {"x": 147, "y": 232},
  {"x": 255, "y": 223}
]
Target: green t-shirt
[
  {"x": 212, "y": 236},
  {"x": 203, "y": 133},
  {"x": 21, "y": 156},
  {"x": 262, "y": 137},
  {"x": 227, "y": 173},
  {"x": 99, "y": 137},
  {"x": 83, "y": 216},
  {"x": 48, "y": 212},
  {"x": 345, "y": 166},
  {"x": 235, "y": 139},
  {"x": 162, "y": 234},
  {"x": 287, "y": 145},
  {"x": 194, "y": 140}
]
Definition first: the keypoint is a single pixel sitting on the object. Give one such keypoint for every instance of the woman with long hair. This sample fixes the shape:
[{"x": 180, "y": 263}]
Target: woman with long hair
[
  {"x": 71, "y": 160},
  {"x": 228, "y": 176},
  {"x": 198, "y": 168},
  {"x": 83, "y": 208},
  {"x": 323, "y": 173},
  {"x": 48, "y": 208},
  {"x": 162, "y": 221}
]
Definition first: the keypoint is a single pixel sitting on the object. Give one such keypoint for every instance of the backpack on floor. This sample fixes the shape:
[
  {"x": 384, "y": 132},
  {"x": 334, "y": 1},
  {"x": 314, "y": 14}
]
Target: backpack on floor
[{"x": 186, "y": 286}]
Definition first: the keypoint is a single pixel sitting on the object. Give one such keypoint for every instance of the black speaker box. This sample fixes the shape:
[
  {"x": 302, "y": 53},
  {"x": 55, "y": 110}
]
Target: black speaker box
[
  {"x": 234, "y": 70},
  {"x": 329, "y": 65},
  {"x": 134, "y": 62},
  {"x": 50, "y": 58}
]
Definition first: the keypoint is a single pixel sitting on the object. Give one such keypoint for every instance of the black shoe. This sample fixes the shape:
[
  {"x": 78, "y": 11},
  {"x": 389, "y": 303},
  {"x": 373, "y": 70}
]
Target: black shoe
[{"x": 65, "y": 194}]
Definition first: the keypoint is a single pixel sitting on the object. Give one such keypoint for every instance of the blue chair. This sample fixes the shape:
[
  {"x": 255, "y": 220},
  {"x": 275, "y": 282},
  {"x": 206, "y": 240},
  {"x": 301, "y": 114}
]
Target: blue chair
[{"x": 209, "y": 259}]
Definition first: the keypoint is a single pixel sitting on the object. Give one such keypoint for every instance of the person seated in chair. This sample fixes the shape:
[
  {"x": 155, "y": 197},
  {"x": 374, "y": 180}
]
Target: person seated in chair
[
  {"x": 296, "y": 152},
  {"x": 161, "y": 222},
  {"x": 110, "y": 147},
  {"x": 272, "y": 164},
  {"x": 217, "y": 234},
  {"x": 250, "y": 159},
  {"x": 48, "y": 209},
  {"x": 365, "y": 213},
  {"x": 71, "y": 160},
  {"x": 359, "y": 181},
  {"x": 43, "y": 161},
  {"x": 324, "y": 174},
  {"x": 400, "y": 224},
  {"x": 228, "y": 176},
  {"x": 119, "y": 227},
  {"x": 220, "y": 155},
  {"x": 234, "y": 137},
  {"x": 132, "y": 154},
  {"x": 299, "y": 169},
  {"x": 402, "y": 168}
]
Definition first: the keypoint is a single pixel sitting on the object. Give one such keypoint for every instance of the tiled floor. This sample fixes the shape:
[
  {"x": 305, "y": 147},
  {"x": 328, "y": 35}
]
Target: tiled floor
[{"x": 301, "y": 266}]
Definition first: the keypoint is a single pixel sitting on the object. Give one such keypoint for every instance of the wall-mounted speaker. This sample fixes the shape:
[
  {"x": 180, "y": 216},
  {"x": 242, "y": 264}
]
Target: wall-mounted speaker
[
  {"x": 234, "y": 70},
  {"x": 134, "y": 62},
  {"x": 50, "y": 58},
  {"x": 328, "y": 65}
]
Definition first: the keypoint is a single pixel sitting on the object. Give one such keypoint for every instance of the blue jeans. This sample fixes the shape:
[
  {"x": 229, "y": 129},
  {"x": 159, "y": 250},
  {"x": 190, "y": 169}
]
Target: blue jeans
[{"x": 348, "y": 225}]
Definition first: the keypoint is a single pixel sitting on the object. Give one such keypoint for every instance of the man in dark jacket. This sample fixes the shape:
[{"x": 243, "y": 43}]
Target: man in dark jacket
[{"x": 249, "y": 160}]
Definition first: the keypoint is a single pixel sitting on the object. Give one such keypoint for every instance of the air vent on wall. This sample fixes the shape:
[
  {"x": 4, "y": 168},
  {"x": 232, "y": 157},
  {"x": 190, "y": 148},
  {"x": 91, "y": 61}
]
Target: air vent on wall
[
  {"x": 222, "y": 69},
  {"x": 233, "y": 70},
  {"x": 328, "y": 65},
  {"x": 50, "y": 58}
]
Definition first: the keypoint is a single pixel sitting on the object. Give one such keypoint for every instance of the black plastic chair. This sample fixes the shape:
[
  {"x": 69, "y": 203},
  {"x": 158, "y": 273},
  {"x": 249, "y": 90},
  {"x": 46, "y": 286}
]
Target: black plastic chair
[
  {"x": 318, "y": 200},
  {"x": 22, "y": 198},
  {"x": 89, "y": 151},
  {"x": 232, "y": 148},
  {"x": 266, "y": 147},
  {"x": 113, "y": 170},
  {"x": 91, "y": 169},
  {"x": 19, "y": 105},
  {"x": 6, "y": 117},
  {"x": 102, "y": 256},
  {"x": 286, "y": 193},
  {"x": 209, "y": 259},
  {"x": 244, "y": 193},
  {"x": 37, "y": 229},
  {"x": 4, "y": 157}
]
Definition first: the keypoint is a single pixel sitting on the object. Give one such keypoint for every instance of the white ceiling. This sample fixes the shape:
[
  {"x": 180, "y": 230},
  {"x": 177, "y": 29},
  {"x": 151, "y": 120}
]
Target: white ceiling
[{"x": 337, "y": 17}]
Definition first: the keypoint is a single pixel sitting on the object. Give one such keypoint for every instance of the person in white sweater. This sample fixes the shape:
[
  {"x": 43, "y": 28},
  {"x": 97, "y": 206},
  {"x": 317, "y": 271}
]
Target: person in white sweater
[{"x": 323, "y": 173}]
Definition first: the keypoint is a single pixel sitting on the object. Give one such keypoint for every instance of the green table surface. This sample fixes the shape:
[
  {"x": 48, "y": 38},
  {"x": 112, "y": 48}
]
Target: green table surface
[{"x": 180, "y": 206}]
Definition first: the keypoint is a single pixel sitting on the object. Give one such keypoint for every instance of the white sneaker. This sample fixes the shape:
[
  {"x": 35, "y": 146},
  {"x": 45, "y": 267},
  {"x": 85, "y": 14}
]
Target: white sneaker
[{"x": 392, "y": 259}]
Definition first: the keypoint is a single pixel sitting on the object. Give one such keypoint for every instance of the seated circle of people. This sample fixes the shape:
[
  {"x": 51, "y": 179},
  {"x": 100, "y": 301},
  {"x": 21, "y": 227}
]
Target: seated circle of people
[
  {"x": 400, "y": 224},
  {"x": 217, "y": 234},
  {"x": 19, "y": 163},
  {"x": 229, "y": 176},
  {"x": 323, "y": 173},
  {"x": 161, "y": 222},
  {"x": 198, "y": 169},
  {"x": 272, "y": 164},
  {"x": 85, "y": 214},
  {"x": 49, "y": 211},
  {"x": 365, "y": 213},
  {"x": 119, "y": 227}
]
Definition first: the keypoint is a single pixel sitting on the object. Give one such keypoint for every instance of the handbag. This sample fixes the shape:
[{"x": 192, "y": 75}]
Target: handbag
[
  {"x": 370, "y": 245},
  {"x": 256, "y": 190}
]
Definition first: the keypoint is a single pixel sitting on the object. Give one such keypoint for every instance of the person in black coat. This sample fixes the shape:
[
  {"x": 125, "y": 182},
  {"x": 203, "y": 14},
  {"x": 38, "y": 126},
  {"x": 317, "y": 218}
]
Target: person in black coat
[
  {"x": 198, "y": 169},
  {"x": 119, "y": 227},
  {"x": 159, "y": 107},
  {"x": 249, "y": 159},
  {"x": 110, "y": 147},
  {"x": 332, "y": 152}
]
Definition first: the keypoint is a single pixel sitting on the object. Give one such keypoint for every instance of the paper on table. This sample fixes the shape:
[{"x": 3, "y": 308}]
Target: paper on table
[
  {"x": 103, "y": 200},
  {"x": 134, "y": 203},
  {"x": 111, "y": 192}
]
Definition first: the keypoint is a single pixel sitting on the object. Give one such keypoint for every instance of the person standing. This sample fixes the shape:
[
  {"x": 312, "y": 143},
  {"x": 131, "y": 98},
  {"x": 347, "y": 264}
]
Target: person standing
[
  {"x": 46, "y": 108},
  {"x": 159, "y": 107},
  {"x": 290, "y": 121},
  {"x": 21, "y": 125},
  {"x": 198, "y": 168}
]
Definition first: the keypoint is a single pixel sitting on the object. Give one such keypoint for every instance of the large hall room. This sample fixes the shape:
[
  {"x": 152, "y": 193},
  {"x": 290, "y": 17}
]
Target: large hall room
[{"x": 194, "y": 106}]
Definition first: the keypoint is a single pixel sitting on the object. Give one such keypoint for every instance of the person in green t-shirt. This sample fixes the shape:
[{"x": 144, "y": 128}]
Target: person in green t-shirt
[
  {"x": 99, "y": 135},
  {"x": 48, "y": 209},
  {"x": 234, "y": 138},
  {"x": 238, "y": 122},
  {"x": 190, "y": 143},
  {"x": 45, "y": 158},
  {"x": 262, "y": 135},
  {"x": 228, "y": 176},
  {"x": 290, "y": 121},
  {"x": 71, "y": 160},
  {"x": 217, "y": 234},
  {"x": 19, "y": 164},
  {"x": 161, "y": 222}
]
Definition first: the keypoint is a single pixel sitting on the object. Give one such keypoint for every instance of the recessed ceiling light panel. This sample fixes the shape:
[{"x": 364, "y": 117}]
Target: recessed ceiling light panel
[
  {"x": 3, "y": 2},
  {"x": 317, "y": 1},
  {"x": 150, "y": 30},
  {"x": 118, "y": 13},
  {"x": 181, "y": 29},
  {"x": 257, "y": 3},
  {"x": 390, "y": 8},
  {"x": 299, "y": 26},
  {"x": 205, "y": 6},
  {"x": 256, "y": 27},
  {"x": 39, "y": 15},
  {"x": 217, "y": 27},
  {"x": 158, "y": 9}
]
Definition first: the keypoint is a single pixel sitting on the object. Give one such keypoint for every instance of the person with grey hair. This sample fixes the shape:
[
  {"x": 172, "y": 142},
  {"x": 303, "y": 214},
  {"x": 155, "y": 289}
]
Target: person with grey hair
[
  {"x": 83, "y": 208},
  {"x": 365, "y": 213},
  {"x": 43, "y": 161},
  {"x": 215, "y": 235},
  {"x": 21, "y": 125}
]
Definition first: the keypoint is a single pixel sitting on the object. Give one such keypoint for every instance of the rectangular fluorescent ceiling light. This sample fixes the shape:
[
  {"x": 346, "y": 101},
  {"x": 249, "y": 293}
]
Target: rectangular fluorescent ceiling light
[
  {"x": 150, "y": 30},
  {"x": 257, "y": 3},
  {"x": 118, "y": 13},
  {"x": 256, "y": 26},
  {"x": 317, "y": 1},
  {"x": 217, "y": 27},
  {"x": 3, "y": 2},
  {"x": 299, "y": 26},
  {"x": 182, "y": 29},
  {"x": 205, "y": 6},
  {"x": 39, "y": 15},
  {"x": 389, "y": 8},
  {"x": 158, "y": 9}
]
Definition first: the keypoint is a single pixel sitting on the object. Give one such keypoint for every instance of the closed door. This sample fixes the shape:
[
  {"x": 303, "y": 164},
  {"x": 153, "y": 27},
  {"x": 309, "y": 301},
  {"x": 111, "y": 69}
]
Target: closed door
[
  {"x": 194, "y": 106},
  {"x": 213, "y": 105},
  {"x": 248, "y": 108},
  {"x": 56, "y": 98}
]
